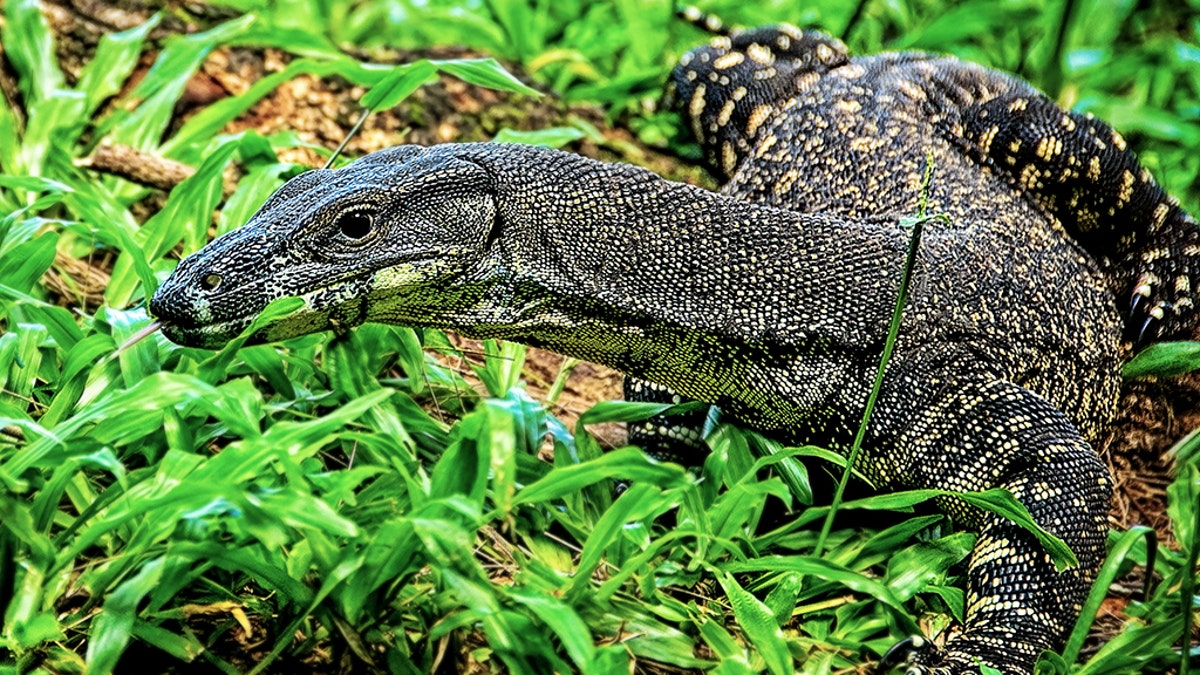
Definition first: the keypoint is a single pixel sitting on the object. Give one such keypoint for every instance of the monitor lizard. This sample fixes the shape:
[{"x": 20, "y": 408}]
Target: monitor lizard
[{"x": 771, "y": 298}]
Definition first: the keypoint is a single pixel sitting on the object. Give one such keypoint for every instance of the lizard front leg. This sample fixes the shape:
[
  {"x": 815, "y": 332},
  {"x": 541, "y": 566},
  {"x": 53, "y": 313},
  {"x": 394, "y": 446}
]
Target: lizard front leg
[
  {"x": 996, "y": 434},
  {"x": 1079, "y": 170},
  {"x": 678, "y": 437}
]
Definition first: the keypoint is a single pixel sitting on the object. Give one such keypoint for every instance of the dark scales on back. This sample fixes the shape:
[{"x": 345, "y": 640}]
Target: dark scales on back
[{"x": 771, "y": 299}]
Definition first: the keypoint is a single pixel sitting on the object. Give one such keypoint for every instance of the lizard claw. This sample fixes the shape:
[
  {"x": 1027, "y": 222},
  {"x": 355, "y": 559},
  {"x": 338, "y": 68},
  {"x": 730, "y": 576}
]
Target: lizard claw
[
  {"x": 1145, "y": 322},
  {"x": 1149, "y": 330},
  {"x": 1134, "y": 303}
]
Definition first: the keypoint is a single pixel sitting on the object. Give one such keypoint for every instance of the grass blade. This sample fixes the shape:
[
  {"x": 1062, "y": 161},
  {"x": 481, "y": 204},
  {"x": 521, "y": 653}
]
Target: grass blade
[
  {"x": 485, "y": 73},
  {"x": 758, "y": 621},
  {"x": 399, "y": 85},
  {"x": 29, "y": 46}
]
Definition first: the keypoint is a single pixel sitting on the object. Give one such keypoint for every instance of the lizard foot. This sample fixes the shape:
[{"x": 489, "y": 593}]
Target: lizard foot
[
  {"x": 1162, "y": 304},
  {"x": 1160, "y": 309},
  {"x": 1145, "y": 313}
]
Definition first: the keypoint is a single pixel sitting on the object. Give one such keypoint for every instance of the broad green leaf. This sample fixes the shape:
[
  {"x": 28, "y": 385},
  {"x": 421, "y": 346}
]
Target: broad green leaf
[
  {"x": 885, "y": 543},
  {"x": 33, "y": 183},
  {"x": 24, "y": 265},
  {"x": 119, "y": 410},
  {"x": 188, "y": 213},
  {"x": 759, "y": 624},
  {"x": 782, "y": 598},
  {"x": 793, "y": 472},
  {"x": 302, "y": 510},
  {"x": 104, "y": 217},
  {"x": 737, "y": 510},
  {"x": 627, "y": 463},
  {"x": 191, "y": 142},
  {"x": 138, "y": 361},
  {"x": 113, "y": 627},
  {"x": 399, "y": 84},
  {"x": 83, "y": 356},
  {"x": 560, "y": 618},
  {"x": 485, "y": 73},
  {"x": 114, "y": 61},
  {"x": 266, "y": 361},
  {"x": 24, "y": 369},
  {"x": 501, "y": 440},
  {"x": 186, "y": 647},
  {"x": 638, "y": 502},
  {"x": 51, "y": 130},
  {"x": 997, "y": 500},
  {"x": 502, "y": 367},
  {"x": 1164, "y": 359},
  {"x": 19, "y": 523},
  {"x": 157, "y": 93},
  {"x": 636, "y": 625},
  {"x": 732, "y": 656},
  {"x": 37, "y": 630},
  {"x": 393, "y": 552},
  {"x": 57, "y": 320},
  {"x": 119, "y": 293},
  {"x": 822, "y": 569},
  {"x": 915, "y": 568},
  {"x": 1002, "y": 503},
  {"x": 1109, "y": 572},
  {"x": 1133, "y": 650},
  {"x": 25, "y": 622},
  {"x": 463, "y": 468},
  {"x": 10, "y": 147},
  {"x": 245, "y": 560},
  {"x": 555, "y": 137},
  {"x": 631, "y": 411},
  {"x": 29, "y": 46},
  {"x": 214, "y": 369},
  {"x": 252, "y": 191},
  {"x": 1183, "y": 504},
  {"x": 965, "y": 22}
]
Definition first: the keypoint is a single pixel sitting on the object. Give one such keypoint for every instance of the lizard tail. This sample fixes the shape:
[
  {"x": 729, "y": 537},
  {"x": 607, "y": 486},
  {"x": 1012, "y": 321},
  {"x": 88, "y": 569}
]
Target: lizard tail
[{"x": 709, "y": 23}]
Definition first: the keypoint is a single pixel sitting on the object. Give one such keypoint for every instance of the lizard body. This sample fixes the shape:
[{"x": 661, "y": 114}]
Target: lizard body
[
  {"x": 770, "y": 300},
  {"x": 794, "y": 102}
]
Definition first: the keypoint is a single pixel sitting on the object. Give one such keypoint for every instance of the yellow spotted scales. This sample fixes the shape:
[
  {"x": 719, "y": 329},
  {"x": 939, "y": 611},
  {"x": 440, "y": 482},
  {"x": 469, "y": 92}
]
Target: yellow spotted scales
[
  {"x": 794, "y": 103},
  {"x": 771, "y": 299}
]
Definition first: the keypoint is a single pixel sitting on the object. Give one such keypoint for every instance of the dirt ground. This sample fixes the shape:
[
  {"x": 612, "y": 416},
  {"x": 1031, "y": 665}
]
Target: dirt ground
[{"x": 1152, "y": 415}]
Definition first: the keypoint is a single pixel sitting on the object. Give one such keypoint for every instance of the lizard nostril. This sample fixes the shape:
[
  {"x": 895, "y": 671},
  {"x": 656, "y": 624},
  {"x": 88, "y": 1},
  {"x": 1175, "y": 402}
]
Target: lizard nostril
[{"x": 210, "y": 282}]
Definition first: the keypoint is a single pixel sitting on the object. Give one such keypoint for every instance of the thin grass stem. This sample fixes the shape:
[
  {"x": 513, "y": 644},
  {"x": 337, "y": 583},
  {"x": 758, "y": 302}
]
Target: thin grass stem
[{"x": 889, "y": 345}]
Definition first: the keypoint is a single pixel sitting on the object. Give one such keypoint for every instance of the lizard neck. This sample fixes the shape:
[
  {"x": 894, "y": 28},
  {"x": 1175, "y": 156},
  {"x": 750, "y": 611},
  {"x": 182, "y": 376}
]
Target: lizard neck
[{"x": 665, "y": 281}]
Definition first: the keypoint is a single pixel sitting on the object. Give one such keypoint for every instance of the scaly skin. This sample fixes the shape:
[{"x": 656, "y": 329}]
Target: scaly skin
[
  {"x": 758, "y": 310},
  {"x": 772, "y": 103},
  {"x": 788, "y": 118}
]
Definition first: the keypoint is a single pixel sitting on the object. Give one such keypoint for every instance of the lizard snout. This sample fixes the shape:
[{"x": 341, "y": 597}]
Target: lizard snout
[{"x": 179, "y": 303}]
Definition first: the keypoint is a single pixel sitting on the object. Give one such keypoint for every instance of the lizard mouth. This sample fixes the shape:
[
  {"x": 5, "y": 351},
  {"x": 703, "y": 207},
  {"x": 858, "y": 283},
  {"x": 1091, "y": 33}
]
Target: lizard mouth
[
  {"x": 320, "y": 309},
  {"x": 211, "y": 336},
  {"x": 193, "y": 321}
]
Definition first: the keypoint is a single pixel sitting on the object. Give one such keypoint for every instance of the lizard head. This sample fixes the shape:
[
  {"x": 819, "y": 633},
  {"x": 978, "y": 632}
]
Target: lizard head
[{"x": 400, "y": 221}]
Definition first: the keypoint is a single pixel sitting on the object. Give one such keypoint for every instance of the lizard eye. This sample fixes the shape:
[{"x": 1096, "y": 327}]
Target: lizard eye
[
  {"x": 355, "y": 224},
  {"x": 210, "y": 282}
]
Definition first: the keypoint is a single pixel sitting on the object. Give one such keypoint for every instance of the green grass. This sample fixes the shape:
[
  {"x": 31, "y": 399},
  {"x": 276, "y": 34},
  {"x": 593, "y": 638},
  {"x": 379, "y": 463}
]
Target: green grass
[{"x": 348, "y": 502}]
